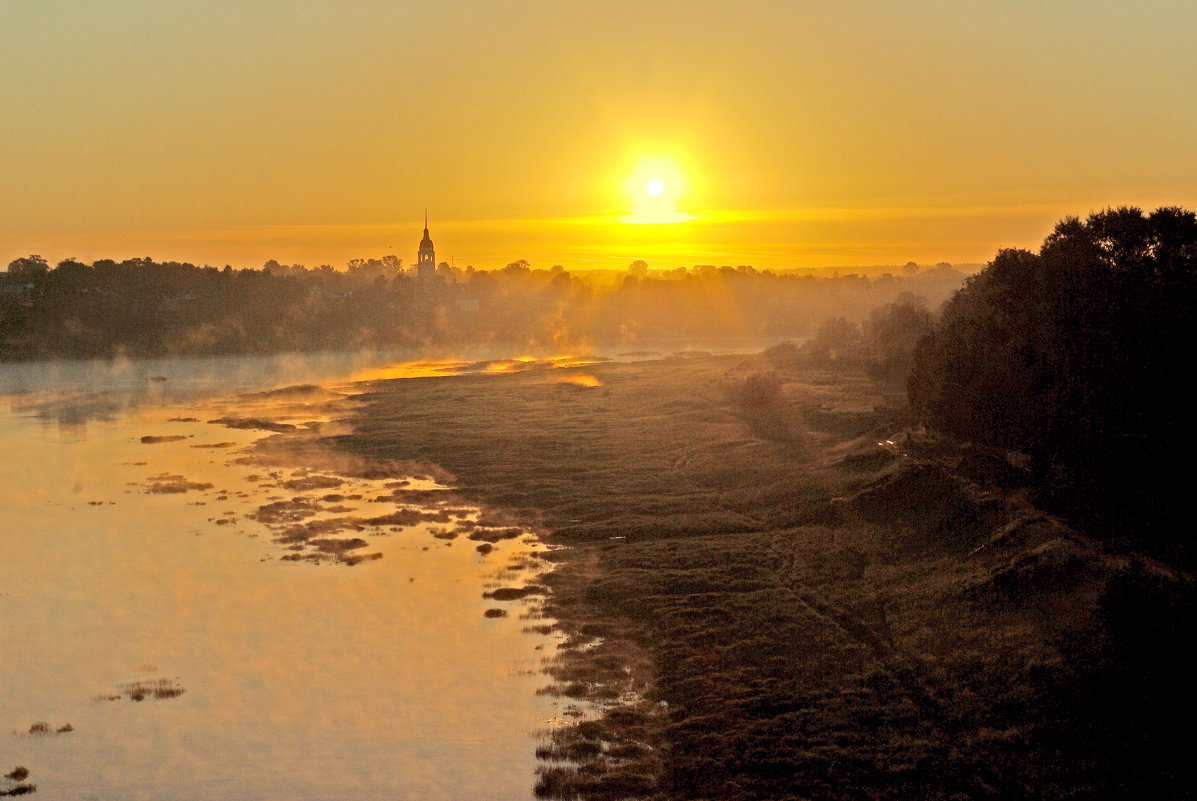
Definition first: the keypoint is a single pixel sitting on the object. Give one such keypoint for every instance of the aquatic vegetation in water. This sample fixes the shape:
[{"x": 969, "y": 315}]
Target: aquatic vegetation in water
[
  {"x": 253, "y": 424},
  {"x": 515, "y": 593},
  {"x": 158, "y": 440},
  {"x": 301, "y": 482},
  {"x": 15, "y": 781},
  {"x": 169, "y": 484},
  {"x": 157, "y": 689}
]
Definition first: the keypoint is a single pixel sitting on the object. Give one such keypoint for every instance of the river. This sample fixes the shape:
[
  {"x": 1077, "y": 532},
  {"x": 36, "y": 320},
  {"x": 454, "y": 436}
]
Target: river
[{"x": 157, "y": 640}]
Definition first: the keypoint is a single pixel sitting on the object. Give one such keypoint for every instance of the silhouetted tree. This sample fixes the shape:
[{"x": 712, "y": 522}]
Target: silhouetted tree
[
  {"x": 29, "y": 268},
  {"x": 1079, "y": 357}
]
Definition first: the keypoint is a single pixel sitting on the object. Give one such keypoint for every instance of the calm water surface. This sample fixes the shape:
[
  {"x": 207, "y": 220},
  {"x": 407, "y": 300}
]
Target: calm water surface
[{"x": 261, "y": 677}]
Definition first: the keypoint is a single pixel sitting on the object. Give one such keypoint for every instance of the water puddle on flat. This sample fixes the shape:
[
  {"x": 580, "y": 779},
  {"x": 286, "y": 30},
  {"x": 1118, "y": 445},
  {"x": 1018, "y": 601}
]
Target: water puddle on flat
[{"x": 178, "y": 623}]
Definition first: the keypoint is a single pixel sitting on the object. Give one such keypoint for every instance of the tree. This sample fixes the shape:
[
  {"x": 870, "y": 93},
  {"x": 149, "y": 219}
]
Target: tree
[
  {"x": 30, "y": 268},
  {"x": 837, "y": 340},
  {"x": 71, "y": 272},
  {"x": 892, "y": 333}
]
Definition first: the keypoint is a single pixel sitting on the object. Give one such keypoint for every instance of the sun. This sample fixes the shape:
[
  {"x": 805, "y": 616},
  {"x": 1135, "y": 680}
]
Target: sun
[{"x": 654, "y": 188}]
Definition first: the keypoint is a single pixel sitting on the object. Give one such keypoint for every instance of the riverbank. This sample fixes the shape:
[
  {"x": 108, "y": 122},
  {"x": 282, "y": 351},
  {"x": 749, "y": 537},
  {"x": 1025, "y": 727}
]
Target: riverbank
[{"x": 766, "y": 596}]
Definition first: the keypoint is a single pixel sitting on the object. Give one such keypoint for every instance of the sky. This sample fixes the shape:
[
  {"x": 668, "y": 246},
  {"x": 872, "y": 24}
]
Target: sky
[{"x": 785, "y": 134}]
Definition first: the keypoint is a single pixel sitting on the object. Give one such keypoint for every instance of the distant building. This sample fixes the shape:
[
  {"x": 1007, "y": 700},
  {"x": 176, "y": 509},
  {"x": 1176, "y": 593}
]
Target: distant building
[{"x": 426, "y": 263}]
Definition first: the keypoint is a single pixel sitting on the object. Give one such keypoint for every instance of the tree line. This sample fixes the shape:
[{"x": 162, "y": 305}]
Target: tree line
[
  {"x": 1078, "y": 357},
  {"x": 140, "y": 307}
]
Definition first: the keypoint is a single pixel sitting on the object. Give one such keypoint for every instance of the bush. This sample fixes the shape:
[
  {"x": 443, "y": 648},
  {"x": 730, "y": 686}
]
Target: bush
[
  {"x": 757, "y": 391},
  {"x": 765, "y": 408}
]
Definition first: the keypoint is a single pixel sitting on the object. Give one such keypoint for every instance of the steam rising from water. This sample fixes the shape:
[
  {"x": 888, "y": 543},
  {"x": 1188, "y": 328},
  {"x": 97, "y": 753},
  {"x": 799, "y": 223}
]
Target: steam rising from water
[
  {"x": 77, "y": 391},
  {"x": 72, "y": 393}
]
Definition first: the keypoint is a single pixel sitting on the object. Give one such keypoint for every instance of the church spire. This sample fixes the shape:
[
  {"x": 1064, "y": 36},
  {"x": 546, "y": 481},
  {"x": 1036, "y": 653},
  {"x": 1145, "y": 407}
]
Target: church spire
[{"x": 426, "y": 263}]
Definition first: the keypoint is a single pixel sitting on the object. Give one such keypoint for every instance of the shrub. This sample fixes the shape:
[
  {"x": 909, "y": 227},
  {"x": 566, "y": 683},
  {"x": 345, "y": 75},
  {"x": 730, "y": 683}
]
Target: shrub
[{"x": 757, "y": 391}]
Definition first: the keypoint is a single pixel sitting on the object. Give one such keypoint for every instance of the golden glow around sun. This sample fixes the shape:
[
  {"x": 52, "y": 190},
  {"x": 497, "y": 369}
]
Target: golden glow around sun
[{"x": 654, "y": 189}]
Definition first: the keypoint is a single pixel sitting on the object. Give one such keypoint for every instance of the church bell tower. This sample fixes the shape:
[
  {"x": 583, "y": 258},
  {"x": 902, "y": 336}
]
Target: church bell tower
[{"x": 426, "y": 263}]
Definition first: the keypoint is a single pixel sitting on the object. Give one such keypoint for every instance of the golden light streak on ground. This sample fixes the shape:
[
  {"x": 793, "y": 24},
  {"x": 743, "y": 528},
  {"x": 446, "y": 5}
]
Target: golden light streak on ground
[
  {"x": 414, "y": 369},
  {"x": 433, "y": 368},
  {"x": 581, "y": 380}
]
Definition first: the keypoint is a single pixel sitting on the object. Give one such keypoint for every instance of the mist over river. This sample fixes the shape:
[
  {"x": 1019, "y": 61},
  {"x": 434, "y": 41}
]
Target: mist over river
[{"x": 167, "y": 634}]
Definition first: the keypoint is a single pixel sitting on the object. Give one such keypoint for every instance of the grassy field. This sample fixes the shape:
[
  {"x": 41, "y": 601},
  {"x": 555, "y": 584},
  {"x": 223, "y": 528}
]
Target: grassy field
[{"x": 768, "y": 592}]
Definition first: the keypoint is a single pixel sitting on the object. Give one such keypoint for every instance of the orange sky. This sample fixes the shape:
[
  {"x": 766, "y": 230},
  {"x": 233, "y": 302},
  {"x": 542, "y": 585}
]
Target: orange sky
[{"x": 795, "y": 134}]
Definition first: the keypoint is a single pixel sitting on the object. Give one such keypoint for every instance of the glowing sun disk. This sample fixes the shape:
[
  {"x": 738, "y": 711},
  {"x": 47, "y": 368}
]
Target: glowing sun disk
[{"x": 655, "y": 186}]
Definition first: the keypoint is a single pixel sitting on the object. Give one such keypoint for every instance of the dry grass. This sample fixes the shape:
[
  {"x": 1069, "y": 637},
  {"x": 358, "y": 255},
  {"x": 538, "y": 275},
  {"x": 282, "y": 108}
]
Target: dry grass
[{"x": 764, "y": 601}]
